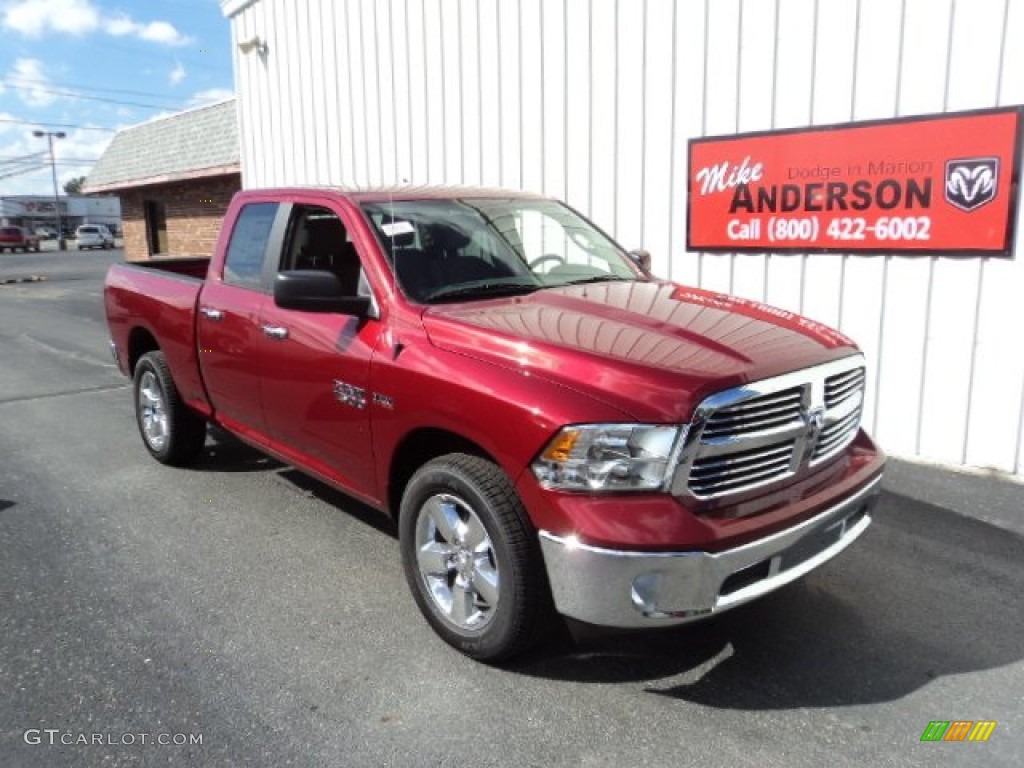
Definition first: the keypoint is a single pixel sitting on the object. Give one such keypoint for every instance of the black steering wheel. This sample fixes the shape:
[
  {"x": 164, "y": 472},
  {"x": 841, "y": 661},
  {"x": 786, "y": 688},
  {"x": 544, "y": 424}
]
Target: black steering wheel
[{"x": 546, "y": 257}]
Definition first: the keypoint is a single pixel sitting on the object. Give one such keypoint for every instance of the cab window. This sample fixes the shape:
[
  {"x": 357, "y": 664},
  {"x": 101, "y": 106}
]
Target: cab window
[
  {"x": 317, "y": 240},
  {"x": 243, "y": 265}
]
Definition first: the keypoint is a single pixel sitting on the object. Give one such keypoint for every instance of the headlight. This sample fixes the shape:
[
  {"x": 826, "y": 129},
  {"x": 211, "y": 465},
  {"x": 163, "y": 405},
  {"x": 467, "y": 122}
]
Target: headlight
[{"x": 608, "y": 457}]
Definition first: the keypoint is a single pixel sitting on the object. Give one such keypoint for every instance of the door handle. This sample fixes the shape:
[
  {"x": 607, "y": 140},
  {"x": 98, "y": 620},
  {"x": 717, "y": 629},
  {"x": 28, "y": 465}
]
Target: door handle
[
  {"x": 212, "y": 314},
  {"x": 275, "y": 332}
]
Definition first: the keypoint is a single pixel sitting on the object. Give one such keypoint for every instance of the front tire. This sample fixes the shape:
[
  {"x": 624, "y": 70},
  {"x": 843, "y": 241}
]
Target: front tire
[
  {"x": 471, "y": 558},
  {"x": 172, "y": 432}
]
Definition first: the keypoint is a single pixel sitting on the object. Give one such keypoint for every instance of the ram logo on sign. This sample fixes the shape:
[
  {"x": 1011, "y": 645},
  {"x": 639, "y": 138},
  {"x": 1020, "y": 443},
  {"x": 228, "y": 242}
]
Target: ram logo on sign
[{"x": 972, "y": 182}]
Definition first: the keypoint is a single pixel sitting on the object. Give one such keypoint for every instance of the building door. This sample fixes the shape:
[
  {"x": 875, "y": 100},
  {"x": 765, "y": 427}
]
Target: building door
[{"x": 156, "y": 227}]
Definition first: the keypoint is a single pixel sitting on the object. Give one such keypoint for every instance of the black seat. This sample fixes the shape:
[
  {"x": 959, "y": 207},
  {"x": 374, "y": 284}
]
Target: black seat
[
  {"x": 457, "y": 266},
  {"x": 328, "y": 248},
  {"x": 441, "y": 262},
  {"x": 418, "y": 272}
]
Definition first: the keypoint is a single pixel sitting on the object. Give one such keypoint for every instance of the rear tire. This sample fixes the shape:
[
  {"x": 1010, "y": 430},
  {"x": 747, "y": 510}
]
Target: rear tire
[
  {"x": 472, "y": 559},
  {"x": 171, "y": 431}
]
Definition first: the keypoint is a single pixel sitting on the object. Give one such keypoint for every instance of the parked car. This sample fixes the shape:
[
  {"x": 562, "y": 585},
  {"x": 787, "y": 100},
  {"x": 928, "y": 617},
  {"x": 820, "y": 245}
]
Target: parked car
[
  {"x": 18, "y": 238},
  {"x": 93, "y": 236},
  {"x": 46, "y": 233},
  {"x": 551, "y": 426}
]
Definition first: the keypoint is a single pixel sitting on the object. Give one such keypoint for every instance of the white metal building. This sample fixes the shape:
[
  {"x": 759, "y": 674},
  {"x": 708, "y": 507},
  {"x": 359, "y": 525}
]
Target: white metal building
[{"x": 593, "y": 101}]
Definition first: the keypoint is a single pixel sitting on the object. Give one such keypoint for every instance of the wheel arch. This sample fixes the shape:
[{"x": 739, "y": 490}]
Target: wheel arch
[
  {"x": 140, "y": 341},
  {"x": 417, "y": 448}
]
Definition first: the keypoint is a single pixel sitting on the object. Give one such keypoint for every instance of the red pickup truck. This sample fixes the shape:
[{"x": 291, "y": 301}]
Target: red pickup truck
[
  {"x": 13, "y": 238},
  {"x": 554, "y": 429}
]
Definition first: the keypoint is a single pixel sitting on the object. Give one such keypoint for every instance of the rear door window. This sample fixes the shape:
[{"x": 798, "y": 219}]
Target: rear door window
[{"x": 243, "y": 265}]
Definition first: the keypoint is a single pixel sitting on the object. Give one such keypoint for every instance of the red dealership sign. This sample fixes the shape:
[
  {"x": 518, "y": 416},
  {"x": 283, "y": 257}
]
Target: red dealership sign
[{"x": 938, "y": 184}]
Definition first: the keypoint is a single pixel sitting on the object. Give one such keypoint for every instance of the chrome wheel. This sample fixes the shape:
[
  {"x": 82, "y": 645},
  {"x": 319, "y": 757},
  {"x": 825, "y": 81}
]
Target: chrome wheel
[
  {"x": 456, "y": 561},
  {"x": 153, "y": 411}
]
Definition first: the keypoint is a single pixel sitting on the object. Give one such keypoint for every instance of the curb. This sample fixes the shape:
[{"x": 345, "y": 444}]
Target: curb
[{"x": 26, "y": 279}]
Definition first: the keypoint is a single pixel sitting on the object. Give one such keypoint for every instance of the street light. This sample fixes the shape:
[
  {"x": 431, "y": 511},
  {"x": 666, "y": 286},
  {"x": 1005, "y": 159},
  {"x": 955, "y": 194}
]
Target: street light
[{"x": 50, "y": 136}]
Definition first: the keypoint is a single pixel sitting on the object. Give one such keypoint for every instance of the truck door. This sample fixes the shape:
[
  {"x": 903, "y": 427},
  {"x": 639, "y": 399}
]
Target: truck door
[
  {"x": 228, "y": 324},
  {"x": 315, "y": 386}
]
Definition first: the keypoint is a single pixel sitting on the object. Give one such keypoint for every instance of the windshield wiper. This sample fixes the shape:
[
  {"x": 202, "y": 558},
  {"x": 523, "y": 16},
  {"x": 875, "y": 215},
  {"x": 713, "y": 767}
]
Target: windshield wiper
[
  {"x": 601, "y": 279},
  {"x": 482, "y": 289}
]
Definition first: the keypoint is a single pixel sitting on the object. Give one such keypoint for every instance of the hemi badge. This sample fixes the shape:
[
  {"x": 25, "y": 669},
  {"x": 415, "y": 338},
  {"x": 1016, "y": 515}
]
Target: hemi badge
[
  {"x": 350, "y": 395},
  {"x": 383, "y": 401}
]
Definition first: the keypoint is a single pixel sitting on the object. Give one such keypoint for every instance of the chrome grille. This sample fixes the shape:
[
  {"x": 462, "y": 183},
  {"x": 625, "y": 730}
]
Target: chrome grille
[
  {"x": 718, "y": 475},
  {"x": 767, "y": 432},
  {"x": 755, "y": 415},
  {"x": 844, "y": 395},
  {"x": 843, "y": 386}
]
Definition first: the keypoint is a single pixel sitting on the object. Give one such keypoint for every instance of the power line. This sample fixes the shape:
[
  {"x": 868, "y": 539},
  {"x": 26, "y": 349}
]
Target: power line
[
  {"x": 7, "y": 170},
  {"x": 6, "y": 173},
  {"x": 63, "y": 161},
  {"x": 73, "y": 95},
  {"x": 92, "y": 88},
  {"x": 58, "y": 125},
  {"x": 19, "y": 158}
]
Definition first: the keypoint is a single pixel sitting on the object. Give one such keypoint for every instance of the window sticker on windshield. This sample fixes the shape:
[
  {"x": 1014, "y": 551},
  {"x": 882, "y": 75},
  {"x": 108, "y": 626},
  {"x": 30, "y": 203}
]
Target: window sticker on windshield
[{"x": 395, "y": 228}]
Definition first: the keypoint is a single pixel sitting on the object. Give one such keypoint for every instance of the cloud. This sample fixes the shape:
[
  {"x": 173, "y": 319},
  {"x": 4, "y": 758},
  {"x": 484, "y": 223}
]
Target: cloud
[
  {"x": 154, "y": 31},
  {"x": 163, "y": 32},
  {"x": 10, "y": 123},
  {"x": 34, "y": 18},
  {"x": 177, "y": 74},
  {"x": 32, "y": 82},
  {"x": 210, "y": 96}
]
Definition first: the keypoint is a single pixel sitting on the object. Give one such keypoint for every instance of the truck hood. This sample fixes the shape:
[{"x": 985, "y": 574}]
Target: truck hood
[{"x": 653, "y": 350}]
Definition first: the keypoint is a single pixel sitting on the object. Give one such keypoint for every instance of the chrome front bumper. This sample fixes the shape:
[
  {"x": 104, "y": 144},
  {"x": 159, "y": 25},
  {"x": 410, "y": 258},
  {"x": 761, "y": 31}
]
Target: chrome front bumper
[{"x": 649, "y": 589}]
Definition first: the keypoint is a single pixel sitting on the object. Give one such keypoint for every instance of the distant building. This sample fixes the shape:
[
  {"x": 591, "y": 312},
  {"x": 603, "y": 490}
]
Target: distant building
[
  {"x": 35, "y": 211},
  {"x": 175, "y": 177}
]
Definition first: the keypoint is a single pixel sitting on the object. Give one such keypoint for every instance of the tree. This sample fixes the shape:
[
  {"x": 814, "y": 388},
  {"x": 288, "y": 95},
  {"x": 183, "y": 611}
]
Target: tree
[{"x": 74, "y": 186}]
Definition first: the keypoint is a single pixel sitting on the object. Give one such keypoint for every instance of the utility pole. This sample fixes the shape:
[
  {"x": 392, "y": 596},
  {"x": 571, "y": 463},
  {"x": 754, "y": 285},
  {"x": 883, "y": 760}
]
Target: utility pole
[{"x": 50, "y": 136}]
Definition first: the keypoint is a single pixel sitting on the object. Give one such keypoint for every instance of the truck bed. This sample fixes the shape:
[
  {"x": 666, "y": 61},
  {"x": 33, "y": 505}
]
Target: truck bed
[
  {"x": 192, "y": 267},
  {"x": 154, "y": 300}
]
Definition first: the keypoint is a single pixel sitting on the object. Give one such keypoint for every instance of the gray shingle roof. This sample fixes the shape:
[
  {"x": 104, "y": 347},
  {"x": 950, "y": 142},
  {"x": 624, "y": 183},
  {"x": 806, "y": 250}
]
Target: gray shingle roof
[{"x": 170, "y": 148}]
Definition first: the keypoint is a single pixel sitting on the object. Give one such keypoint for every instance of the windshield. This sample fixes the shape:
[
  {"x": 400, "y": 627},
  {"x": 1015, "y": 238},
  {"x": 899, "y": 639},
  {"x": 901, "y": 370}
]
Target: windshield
[{"x": 446, "y": 250}]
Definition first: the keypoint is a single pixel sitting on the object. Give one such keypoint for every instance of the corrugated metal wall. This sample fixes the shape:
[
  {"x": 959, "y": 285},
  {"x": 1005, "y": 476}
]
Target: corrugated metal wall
[{"x": 594, "y": 100}]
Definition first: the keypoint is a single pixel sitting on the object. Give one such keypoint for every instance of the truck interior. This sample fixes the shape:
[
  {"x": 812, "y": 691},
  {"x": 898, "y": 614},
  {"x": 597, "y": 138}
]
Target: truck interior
[{"x": 317, "y": 240}]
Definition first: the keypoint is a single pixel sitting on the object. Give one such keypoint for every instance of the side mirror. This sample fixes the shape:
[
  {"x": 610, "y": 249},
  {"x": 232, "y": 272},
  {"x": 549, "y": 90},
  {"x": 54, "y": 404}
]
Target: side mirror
[
  {"x": 317, "y": 291},
  {"x": 642, "y": 259}
]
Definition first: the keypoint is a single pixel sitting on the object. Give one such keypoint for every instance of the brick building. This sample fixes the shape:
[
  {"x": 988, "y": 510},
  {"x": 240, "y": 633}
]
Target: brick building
[{"x": 175, "y": 177}]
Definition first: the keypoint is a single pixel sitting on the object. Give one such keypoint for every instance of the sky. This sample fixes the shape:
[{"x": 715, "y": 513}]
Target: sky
[{"x": 92, "y": 67}]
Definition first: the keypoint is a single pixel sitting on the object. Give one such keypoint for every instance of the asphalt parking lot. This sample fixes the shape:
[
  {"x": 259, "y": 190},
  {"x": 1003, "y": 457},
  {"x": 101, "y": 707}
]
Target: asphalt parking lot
[{"x": 258, "y": 609}]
